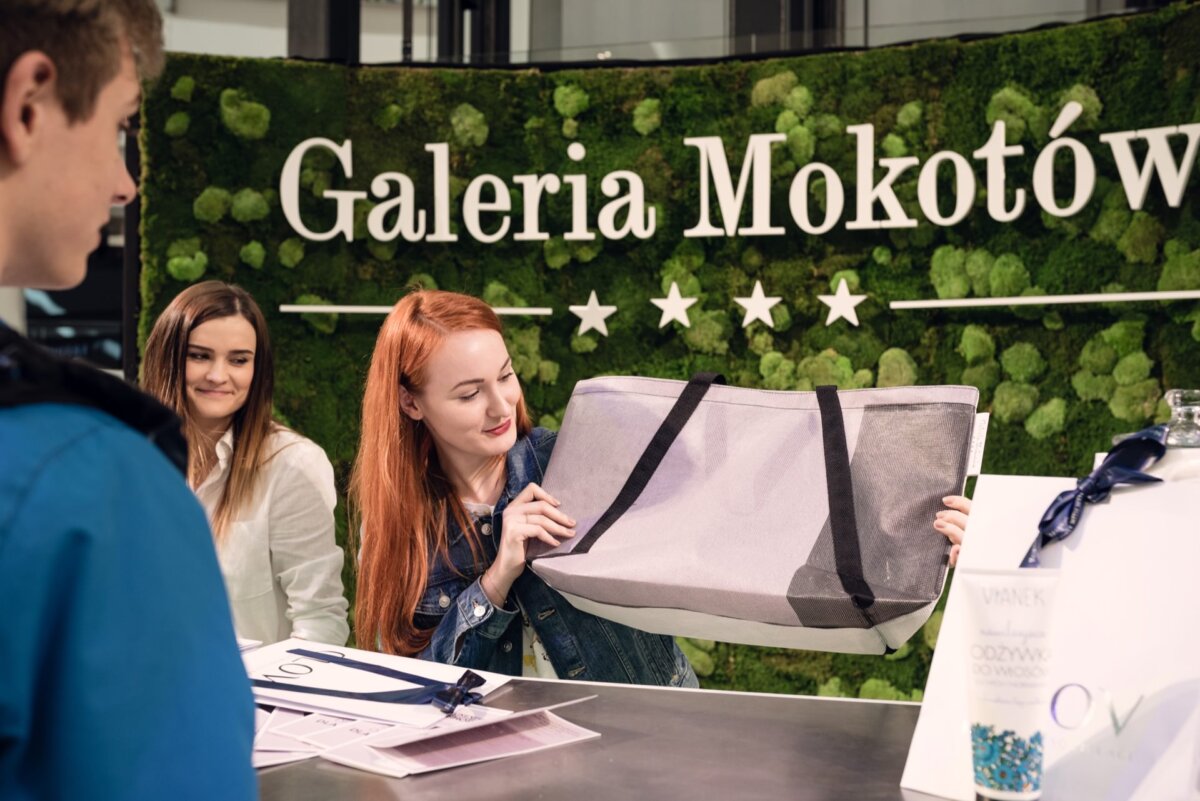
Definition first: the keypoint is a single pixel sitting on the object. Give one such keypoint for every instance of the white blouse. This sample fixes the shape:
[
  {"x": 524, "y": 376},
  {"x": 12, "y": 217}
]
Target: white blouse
[{"x": 282, "y": 567}]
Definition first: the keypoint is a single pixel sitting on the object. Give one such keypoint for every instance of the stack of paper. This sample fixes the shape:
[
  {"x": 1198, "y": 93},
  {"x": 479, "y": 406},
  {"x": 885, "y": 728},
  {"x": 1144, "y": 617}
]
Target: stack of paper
[
  {"x": 395, "y": 739},
  {"x": 401, "y": 751},
  {"x": 274, "y": 748},
  {"x": 278, "y": 664}
]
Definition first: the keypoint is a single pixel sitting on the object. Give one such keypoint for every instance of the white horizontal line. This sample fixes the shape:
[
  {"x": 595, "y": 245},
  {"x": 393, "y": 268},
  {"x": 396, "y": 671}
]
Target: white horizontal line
[
  {"x": 295, "y": 308},
  {"x": 303, "y": 308},
  {"x": 1047, "y": 300},
  {"x": 535, "y": 311}
]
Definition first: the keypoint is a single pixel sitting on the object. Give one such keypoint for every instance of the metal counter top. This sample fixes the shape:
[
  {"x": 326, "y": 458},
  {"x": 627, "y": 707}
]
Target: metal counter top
[{"x": 659, "y": 744}]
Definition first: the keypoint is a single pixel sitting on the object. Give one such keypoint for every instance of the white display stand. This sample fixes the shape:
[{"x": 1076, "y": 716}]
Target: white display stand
[{"x": 1125, "y": 633}]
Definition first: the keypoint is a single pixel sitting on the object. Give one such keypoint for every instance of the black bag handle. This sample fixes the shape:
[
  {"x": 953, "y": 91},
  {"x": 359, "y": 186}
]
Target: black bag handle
[
  {"x": 847, "y": 554},
  {"x": 650, "y": 459}
]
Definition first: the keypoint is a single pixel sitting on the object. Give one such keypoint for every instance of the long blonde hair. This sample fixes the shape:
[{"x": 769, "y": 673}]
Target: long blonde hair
[
  {"x": 399, "y": 493},
  {"x": 164, "y": 368}
]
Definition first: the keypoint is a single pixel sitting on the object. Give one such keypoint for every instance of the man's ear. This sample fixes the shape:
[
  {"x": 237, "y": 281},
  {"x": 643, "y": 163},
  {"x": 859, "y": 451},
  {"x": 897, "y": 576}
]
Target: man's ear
[
  {"x": 408, "y": 405},
  {"x": 30, "y": 93}
]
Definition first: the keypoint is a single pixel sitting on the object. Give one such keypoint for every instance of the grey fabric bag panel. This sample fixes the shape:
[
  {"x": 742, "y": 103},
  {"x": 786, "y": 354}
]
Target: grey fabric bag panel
[{"x": 732, "y": 537}]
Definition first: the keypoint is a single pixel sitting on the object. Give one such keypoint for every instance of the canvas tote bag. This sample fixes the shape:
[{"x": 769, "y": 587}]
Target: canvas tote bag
[{"x": 794, "y": 519}]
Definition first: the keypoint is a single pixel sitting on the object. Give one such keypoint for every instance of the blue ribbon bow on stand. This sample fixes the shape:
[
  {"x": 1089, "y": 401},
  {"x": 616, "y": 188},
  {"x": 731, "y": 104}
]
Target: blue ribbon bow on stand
[{"x": 1123, "y": 465}]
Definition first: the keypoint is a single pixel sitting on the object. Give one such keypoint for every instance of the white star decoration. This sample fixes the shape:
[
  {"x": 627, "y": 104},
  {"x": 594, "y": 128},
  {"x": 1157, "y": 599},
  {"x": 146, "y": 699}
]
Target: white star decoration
[
  {"x": 758, "y": 306},
  {"x": 593, "y": 315},
  {"x": 841, "y": 304},
  {"x": 674, "y": 307}
]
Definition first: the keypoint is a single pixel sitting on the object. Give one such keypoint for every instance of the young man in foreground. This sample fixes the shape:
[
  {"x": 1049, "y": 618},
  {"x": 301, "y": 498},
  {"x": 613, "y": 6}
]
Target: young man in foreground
[{"x": 121, "y": 674}]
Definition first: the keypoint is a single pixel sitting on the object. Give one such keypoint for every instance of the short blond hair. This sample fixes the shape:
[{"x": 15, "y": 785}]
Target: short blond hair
[{"x": 85, "y": 40}]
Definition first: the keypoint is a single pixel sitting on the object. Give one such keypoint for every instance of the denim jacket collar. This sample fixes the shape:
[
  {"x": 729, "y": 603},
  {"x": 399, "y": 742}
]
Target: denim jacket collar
[{"x": 520, "y": 468}]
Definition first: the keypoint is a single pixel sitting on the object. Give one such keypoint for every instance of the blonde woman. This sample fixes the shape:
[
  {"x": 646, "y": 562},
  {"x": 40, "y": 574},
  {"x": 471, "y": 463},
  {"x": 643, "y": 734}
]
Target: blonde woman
[{"x": 269, "y": 492}]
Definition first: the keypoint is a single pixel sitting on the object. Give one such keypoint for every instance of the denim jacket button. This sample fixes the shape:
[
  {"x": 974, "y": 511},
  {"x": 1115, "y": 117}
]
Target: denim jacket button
[
  {"x": 479, "y": 610},
  {"x": 444, "y": 601},
  {"x": 506, "y": 646},
  {"x": 486, "y": 528}
]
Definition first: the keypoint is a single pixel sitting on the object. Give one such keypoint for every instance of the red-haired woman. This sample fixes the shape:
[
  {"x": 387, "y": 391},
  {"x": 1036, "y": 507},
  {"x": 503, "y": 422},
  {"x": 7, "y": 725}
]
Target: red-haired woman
[
  {"x": 269, "y": 492},
  {"x": 446, "y": 484}
]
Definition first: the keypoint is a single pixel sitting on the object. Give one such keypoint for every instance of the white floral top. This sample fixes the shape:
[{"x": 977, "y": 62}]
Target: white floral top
[{"x": 535, "y": 662}]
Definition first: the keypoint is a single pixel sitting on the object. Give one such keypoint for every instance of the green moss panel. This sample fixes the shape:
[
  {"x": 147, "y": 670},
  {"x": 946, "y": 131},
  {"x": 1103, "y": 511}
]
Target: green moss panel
[{"x": 1061, "y": 382}]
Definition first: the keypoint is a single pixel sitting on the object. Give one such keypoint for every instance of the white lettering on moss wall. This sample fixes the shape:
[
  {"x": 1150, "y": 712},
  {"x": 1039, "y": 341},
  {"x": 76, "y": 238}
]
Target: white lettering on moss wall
[{"x": 487, "y": 201}]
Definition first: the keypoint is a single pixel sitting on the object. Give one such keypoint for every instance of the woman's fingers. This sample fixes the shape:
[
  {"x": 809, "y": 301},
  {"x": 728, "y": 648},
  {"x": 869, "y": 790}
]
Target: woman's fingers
[
  {"x": 958, "y": 503},
  {"x": 520, "y": 533},
  {"x": 524, "y": 496},
  {"x": 957, "y": 519},
  {"x": 949, "y": 531},
  {"x": 951, "y": 522},
  {"x": 537, "y": 493},
  {"x": 545, "y": 537},
  {"x": 525, "y": 526},
  {"x": 546, "y": 524},
  {"x": 526, "y": 511},
  {"x": 954, "y": 554},
  {"x": 545, "y": 509}
]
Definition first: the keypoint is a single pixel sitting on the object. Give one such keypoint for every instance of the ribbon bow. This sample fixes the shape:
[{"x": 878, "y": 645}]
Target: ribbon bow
[{"x": 1123, "y": 465}]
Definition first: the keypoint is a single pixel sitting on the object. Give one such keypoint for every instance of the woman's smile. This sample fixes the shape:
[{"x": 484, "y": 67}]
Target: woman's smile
[{"x": 501, "y": 429}]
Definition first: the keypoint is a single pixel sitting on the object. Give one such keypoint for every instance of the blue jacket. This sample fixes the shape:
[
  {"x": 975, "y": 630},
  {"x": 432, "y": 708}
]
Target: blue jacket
[
  {"x": 472, "y": 632},
  {"x": 121, "y": 677}
]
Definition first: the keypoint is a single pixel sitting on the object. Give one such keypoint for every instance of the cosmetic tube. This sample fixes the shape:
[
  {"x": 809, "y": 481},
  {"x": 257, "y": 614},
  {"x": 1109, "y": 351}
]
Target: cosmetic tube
[{"x": 1008, "y": 666}]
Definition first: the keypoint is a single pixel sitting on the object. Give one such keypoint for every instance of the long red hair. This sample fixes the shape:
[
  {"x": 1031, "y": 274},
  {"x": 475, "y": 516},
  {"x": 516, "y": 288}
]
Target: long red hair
[{"x": 400, "y": 497}]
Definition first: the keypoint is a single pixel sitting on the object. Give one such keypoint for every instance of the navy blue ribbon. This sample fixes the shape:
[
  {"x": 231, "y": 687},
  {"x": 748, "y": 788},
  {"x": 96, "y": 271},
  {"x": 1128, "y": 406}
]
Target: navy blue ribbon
[
  {"x": 446, "y": 697},
  {"x": 379, "y": 670},
  {"x": 1123, "y": 465}
]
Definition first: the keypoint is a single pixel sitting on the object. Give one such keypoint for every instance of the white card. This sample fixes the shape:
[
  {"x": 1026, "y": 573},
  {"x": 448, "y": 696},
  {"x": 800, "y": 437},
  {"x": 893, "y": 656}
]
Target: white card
[
  {"x": 405, "y": 736},
  {"x": 261, "y": 716},
  {"x": 304, "y": 727},
  {"x": 403, "y": 751},
  {"x": 358, "y": 754},
  {"x": 345, "y": 733},
  {"x": 266, "y": 759},
  {"x": 270, "y": 738},
  {"x": 274, "y": 663},
  {"x": 525, "y": 734}
]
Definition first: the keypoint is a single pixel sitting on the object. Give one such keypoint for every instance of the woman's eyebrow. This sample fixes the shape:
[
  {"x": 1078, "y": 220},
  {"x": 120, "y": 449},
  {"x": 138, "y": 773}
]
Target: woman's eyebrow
[
  {"x": 468, "y": 381},
  {"x": 503, "y": 367},
  {"x": 241, "y": 352}
]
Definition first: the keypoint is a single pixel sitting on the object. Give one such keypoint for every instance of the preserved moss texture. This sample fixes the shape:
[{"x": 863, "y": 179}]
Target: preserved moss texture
[{"x": 1099, "y": 370}]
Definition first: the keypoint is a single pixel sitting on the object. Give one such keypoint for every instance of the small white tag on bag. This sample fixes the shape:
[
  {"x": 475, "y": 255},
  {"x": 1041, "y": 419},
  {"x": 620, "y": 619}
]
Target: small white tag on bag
[{"x": 978, "y": 440}]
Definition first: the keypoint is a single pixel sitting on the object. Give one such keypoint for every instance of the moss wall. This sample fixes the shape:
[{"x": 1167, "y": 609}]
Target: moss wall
[{"x": 1061, "y": 382}]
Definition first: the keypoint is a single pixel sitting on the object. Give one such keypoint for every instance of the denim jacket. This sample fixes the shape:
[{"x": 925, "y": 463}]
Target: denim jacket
[{"x": 472, "y": 632}]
